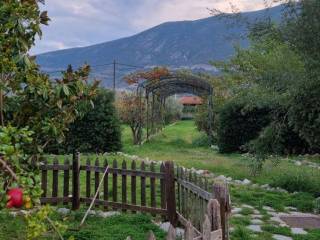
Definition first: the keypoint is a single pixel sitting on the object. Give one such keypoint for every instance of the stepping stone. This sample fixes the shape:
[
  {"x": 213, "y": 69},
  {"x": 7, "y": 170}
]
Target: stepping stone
[
  {"x": 256, "y": 221},
  {"x": 255, "y": 211},
  {"x": 256, "y": 216},
  {"x": 247, "y": 206},
  {"x": 236, "y": 210},
  {"x": 281, "y": 237},
  {"x": 299, "y": 231},
  {"x": 254, "y": 228},
  {"x": 267, "y": 208}
]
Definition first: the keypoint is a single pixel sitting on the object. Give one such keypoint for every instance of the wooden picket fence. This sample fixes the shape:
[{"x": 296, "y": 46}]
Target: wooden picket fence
[{"x": 178, "y": 195}]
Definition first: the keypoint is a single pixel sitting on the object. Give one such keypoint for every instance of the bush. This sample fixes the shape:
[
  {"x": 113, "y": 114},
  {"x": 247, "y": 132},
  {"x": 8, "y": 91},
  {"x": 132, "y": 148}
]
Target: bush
[
  {"x": 298, "y": 181},
  {"x": 238, "y": 125},
  {"x": 202, "y": 141},
  {"x": 99, "y": 130},
  {"x": 173, "y": 111}
]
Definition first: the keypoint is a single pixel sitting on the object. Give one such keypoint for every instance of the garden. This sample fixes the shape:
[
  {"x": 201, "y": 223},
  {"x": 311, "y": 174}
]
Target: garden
[{"x": 79, "y": 161}]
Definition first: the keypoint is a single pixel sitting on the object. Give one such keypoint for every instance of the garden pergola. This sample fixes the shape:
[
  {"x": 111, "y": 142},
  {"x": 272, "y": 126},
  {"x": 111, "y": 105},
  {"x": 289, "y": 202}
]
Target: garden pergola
[{"x": 156, "y": 91}]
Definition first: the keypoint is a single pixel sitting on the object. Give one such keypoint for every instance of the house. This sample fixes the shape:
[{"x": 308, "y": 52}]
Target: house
[{"x": 189, "y": 104}]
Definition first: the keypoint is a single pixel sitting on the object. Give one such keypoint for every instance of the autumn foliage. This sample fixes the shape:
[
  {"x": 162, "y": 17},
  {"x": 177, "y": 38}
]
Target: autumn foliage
[{"x": 152, "y": 75}]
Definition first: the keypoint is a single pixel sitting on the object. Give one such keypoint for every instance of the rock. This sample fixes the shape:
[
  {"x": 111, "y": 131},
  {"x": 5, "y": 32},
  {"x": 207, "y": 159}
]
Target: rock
[
  {"x": 236, "y": 210},
  {"x": 267, "y": 208},
  {"x": 229, "y": 179},
  {"x": 256, "y": 216},
  {"x": 256, "y": 222},
  {"x": 107, "y": 214},
  {"x": 299, "y": 231},
  {"x": 281, "y": 237},
  {"x": 247, "y": 206},
  {"x": 297, "y": 163},
  {"x": 221, "y": 177},
  {"x": 254, "y": 228},
  {"x": 180, "y": 232},
  {"x": 238, "y": 182},
  {"x": 265, "y": 186},
  {"x": 63, "y": 211},
  {"x": 246, "y": 182},
  {"x": 165, "y": 226}
]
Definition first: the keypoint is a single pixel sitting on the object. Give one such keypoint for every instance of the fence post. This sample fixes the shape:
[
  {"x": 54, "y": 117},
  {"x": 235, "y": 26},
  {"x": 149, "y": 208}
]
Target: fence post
[
  {"x": 76, "y": 181},
  {"x": 220, "y": 192},
  {"x": 170, "y": 193}
]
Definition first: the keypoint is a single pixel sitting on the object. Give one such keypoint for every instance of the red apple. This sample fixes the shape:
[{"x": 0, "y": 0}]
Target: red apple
[{"x": 15, "y": 198}]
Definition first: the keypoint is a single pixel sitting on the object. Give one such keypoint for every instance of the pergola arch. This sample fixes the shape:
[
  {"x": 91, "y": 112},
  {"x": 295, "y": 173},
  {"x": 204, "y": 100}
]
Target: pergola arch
[{"x": 158, "y": 90}]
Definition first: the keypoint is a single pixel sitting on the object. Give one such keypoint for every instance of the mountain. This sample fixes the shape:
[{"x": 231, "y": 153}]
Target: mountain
[{"x": 183, "y": 44}]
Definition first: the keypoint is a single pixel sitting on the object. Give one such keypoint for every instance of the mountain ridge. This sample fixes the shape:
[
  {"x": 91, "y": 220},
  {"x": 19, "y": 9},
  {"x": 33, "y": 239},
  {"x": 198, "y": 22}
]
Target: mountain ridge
[{"x": 187, "y": 43}]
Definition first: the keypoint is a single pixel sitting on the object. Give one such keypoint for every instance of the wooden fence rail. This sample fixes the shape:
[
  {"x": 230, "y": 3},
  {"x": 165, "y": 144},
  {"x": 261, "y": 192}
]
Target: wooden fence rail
[{"x": 179, "y": 195}]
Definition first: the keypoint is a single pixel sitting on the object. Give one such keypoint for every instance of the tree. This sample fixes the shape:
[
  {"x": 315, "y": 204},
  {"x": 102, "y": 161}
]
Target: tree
[
  {"x": 132, "y": 112},
  {"x": 99, "y": 129},
  {"x": 34, "y": 110}
]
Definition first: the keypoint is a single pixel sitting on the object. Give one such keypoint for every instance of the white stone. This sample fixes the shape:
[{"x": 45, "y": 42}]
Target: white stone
[
  {"x": 256, "y": 221},
  {"x": 247, "y": 206},
  {"x": 254, "y": 228},
  {"x": 180, "y": 232},
  {"x": 246, "y": 182},
  {"x": 297, "y": 163},
  {"x": 165, "y": 226},
  {"x": 221, "y": 177},
  {"x": 267, "y": 208},
  {"x": 63, "y": 211},
  {"x": 236, "y": 210},
  {"x": 298, "y": 231},
  {"x": 256, "y": 216},
  {"x": 281, "y": 237},
  {"x": 107, "y": 214}
]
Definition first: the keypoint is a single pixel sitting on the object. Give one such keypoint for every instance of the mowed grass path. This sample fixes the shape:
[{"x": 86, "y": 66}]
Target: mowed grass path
[{"x": 175, "y": 143}]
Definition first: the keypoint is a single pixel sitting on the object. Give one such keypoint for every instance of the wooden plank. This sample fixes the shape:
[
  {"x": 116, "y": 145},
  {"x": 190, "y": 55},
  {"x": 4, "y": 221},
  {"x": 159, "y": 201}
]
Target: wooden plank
[
  {"x": 162, "y": 188},
  {"x": 96, "y": 179},
  {"x": 206, "y": 232},
  {"x": 153, "y": 187},
  {"x": 50, "y": 167},
  {"x": 117, "y": 205},
  {"x": 127, "y": 172},
  {"x": 220, "y": 193},
  {"x": 55, "y": 181},
  {"x": 178, "y": 190},
  {"x": 143, "y": 186},
  {"x": 124, "y": 184},
  {"x": 151, "y": 236},
  {"x": 114, "y": 182},
  {"x": 171, "y": 235},
  {"x": 88, "y": 181},
  {"x": 66, "y": 176},
  {"x": 189, "y": 232},
  {"x": 183, "y": 193},
  {"x": 76, "y": 181},
  {"x": 184, "y": 222},
  {"x": 213, "y": 211},
  {"x": 195, "y": 189},
  {"x": 133, "y": 185},
  {"x": 106, "y": 185},
  {"x": 170, "y": 193},
  {"x": 44, "y": 180},
  {"x": 47, "y": 200}
]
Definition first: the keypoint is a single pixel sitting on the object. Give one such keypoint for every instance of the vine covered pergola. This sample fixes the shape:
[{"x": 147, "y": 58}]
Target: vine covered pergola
[{"x": 156, "y": 89}]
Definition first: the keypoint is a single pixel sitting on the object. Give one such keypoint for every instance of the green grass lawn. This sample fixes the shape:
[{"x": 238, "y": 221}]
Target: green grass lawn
[
  {"x": 176, "y": 143},
  {"x": 96, "y": 228}
]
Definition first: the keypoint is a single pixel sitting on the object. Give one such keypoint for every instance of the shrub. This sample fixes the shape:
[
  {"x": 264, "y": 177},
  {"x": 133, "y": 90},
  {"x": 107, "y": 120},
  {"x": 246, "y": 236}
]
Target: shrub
[
  {"x": 99, "y": 130},
  {"x": 173, "y": 110},
  {"x": 202, "y": 141},
  {"x": 298, "y": 180},
  {"x": 238, "y": 125}
]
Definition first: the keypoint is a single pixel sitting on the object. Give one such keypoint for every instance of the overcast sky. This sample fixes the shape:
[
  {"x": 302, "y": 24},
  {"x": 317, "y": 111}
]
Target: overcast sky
[{"x": 76, "y": 23}]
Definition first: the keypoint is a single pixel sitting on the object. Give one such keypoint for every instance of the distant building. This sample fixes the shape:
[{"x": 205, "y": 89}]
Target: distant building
[{"x": 189, "y": 104}]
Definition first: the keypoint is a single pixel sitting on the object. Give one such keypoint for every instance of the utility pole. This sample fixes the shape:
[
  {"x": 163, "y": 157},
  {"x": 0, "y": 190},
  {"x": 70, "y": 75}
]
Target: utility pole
[{"x": 114, "y": 75}]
